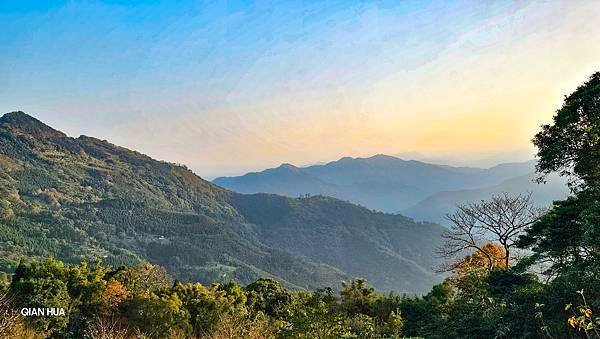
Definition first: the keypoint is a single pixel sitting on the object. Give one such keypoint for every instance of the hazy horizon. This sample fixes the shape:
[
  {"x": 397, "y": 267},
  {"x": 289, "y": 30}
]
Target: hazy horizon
[
  {"x": 475, "y": 162},
  {"x": 243, "y": 86}
]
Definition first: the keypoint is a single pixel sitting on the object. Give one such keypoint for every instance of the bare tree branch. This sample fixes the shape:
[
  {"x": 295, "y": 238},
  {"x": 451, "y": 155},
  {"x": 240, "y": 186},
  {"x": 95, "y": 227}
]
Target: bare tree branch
[{"x": 499, "y": 220}]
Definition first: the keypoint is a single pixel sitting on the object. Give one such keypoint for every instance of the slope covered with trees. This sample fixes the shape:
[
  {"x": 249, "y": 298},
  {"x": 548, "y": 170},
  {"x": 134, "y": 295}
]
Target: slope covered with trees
[
  {"x": 385, "y": 248},
  {"x": 78, "y": 198}
]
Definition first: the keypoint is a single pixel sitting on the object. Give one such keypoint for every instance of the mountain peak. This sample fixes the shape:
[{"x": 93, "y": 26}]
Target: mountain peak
[
  {"x": 288, "y": 166},
  {"x": 382, "y": 157},
  {"x": 345, "y": 159},
  {"x": 27, "y": 124}
]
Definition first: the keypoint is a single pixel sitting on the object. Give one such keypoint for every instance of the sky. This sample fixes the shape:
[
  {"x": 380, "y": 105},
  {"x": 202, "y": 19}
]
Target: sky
[{"x": 236, "y": 86}]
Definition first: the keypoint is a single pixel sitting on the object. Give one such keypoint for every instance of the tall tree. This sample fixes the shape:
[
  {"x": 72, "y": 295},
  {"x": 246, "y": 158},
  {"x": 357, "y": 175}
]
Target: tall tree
[
  {"x": 571, "y": 145},
  {"x": 567, "y": 238},
  {"x": 569, "y": 234}
]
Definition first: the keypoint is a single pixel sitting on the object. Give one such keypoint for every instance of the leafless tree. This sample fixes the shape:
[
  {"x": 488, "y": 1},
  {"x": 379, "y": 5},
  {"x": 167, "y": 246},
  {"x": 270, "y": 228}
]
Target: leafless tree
[
  {"x": 108, "y": 328},
  {"x": 499, "y": 220},
  {"x": 9, "y": 316}
]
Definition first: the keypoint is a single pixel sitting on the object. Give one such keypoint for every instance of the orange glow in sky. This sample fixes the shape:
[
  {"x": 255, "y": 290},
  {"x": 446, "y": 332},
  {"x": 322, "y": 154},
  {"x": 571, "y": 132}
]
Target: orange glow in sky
[{"x": 251, "y": 88}]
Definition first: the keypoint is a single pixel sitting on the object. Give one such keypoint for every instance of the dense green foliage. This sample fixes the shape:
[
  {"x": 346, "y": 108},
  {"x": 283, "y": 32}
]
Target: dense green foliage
[
  {"x": 80, "y": 198},
  {"x": 134, "y": 302},
  {"x": 360, "y": 242}
]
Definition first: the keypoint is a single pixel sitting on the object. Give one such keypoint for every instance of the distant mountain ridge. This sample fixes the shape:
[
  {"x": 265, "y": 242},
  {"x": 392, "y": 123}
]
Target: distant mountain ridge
[
  {"x": 435, "y": 207},
  {"x": 380, "y": 182},
  {"x": 76, "y": 198}
]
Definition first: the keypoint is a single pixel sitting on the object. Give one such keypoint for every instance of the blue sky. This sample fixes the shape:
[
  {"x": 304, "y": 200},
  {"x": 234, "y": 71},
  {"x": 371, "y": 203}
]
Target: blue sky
[{"x": 232, "y": 86}]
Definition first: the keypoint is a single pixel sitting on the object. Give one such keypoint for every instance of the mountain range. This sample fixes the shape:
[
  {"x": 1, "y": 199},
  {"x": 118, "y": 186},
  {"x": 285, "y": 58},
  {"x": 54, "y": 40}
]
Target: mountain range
[
  {"x": 417, "y": 189},
  {"x": 83, "y": 198}
]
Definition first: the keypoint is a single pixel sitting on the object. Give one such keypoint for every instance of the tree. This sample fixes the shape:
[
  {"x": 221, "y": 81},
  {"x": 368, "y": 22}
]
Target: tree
[
  {"x": 479, "y": 260},
  {"x": 142, "y": 278},
  {"x": 9, "y": 316},
  {"x": 159, "y": 316},
  {"x": 113, "y": 296},
  {"x": 571, "y": 145},
  {"x": 43, "y": 285},
  {"x": 107, "y": 327},
  {"x": 207, "y": 306},
  {"x": 52, "y": 284},
  {"x": 268, "y": 296},
  {"x": 568, "y": 236},
  {"x": 499, "y": 220},
  {"x": 357, "y": 297},
  {"x": 425, "y": 316}
]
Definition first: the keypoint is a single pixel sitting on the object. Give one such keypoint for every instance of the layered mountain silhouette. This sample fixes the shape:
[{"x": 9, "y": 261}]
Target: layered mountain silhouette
[
  {"x": 435, "y": 207},
  {"x": 82, "y": 198},
  {"x": 417, "y": 189}
]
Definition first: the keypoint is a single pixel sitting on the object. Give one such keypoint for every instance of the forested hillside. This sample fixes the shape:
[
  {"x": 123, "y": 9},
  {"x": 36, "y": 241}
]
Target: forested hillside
[
  {"x": 78, "y": 198},
  {"x": 386, "y": 248}
]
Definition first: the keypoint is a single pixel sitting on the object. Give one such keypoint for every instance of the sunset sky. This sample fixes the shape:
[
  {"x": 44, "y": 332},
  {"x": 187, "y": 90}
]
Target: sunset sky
[{"x": 237, "y": 86}]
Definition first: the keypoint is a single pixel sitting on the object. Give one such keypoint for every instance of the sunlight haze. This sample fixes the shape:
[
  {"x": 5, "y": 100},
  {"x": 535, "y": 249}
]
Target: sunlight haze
[{"x": 227, "y": 89}]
